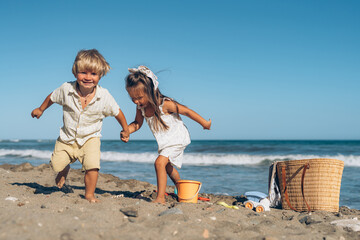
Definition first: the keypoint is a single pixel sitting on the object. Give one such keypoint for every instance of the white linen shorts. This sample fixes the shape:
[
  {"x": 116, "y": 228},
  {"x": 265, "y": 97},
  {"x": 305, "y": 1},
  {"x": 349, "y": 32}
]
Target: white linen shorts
[{"x": 175, "y": 154}]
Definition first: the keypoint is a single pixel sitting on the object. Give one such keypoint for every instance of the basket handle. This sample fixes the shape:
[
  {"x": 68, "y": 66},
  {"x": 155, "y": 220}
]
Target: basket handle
[{"x": 306, "y": 166}]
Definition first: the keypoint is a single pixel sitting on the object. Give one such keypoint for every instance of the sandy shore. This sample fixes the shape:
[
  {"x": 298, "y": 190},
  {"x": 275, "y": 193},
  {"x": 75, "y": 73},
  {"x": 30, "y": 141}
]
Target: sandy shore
[{"x": 33, "y": 208}]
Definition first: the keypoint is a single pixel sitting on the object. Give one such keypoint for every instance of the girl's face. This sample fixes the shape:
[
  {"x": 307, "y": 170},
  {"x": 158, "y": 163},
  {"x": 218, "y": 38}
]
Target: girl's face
[{"x": 138, "y": 96}]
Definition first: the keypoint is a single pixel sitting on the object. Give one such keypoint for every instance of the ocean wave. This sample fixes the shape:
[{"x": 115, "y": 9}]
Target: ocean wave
[
  {"x": 25, "y": 153},
  {"x": 10, "y": 140},
  {"x": 189, "y": 158}
]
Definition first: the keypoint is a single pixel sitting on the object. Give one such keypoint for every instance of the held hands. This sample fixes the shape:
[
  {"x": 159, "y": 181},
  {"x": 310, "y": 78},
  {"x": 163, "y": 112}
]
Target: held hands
[
  {"x": 124, "y": 136},
  {"x": 207, "y": 125},
  {"x": 37, "y": 112}
]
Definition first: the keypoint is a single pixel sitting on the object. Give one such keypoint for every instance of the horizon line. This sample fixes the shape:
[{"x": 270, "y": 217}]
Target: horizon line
[{"x": 232, "y": 139}]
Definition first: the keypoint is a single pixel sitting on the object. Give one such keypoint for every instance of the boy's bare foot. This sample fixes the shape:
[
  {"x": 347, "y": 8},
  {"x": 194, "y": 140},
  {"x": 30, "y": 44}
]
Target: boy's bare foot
[
  {"x": 61, "y": 177},
  {"x": 92, "y": 199},
  {"x": 159, "y": 200}
]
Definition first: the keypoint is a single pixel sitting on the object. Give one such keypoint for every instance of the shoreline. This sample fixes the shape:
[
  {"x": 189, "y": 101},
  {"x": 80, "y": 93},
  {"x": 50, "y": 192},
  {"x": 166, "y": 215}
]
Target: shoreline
[{"x": 34, "y": 208}]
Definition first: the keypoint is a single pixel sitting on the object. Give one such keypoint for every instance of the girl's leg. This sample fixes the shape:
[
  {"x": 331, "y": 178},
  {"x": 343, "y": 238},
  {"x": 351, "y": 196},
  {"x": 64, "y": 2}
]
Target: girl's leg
[
  {"x": 161, "y": 177},
  {"x": 173, "y": 173},
  {"x": 90, "y": 180}
]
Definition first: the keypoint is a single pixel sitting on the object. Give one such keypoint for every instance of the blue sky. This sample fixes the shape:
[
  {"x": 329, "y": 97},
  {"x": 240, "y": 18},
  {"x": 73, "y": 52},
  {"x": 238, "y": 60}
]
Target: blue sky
[{"x": 258, "y": 69}]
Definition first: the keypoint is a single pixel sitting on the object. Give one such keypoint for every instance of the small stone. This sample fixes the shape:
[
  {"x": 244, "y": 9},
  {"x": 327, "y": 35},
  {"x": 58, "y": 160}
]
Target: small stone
[
  {"x": 129, "y": 211},
  {"x": 11, "y": 199},
  {"x": 118, "y": 196},
  {"x": 221, "y": 210},
  {"x": 288, "y": 218},
  {"x": 171, "y": 211},
  {"x": 352, "y": 224},
  {"x": 66, "y": 236},
  {"x": 310, "y": 220},
  {"x": 339, "y": 214}
]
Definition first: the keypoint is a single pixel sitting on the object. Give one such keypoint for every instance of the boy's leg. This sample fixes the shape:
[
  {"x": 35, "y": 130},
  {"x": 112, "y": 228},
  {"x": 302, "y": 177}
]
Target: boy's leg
[
  {"x": 89, "y": 156},
  {"x": 61, "y": 177},
  {"x": 60, "y": 162},
  {"x": 90, "y": 179},
  {"x": 161, "y": 177},
  {"x": 173, "y": 173}
]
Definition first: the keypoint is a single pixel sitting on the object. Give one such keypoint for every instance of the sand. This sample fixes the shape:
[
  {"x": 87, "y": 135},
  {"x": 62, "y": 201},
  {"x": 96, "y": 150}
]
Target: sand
[{"x": 33, "y": 208}]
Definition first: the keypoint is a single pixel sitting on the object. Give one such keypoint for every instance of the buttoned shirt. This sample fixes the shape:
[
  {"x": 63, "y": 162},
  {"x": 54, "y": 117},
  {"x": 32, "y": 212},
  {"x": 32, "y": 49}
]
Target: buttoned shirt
[{"x": 82, "y": 124}]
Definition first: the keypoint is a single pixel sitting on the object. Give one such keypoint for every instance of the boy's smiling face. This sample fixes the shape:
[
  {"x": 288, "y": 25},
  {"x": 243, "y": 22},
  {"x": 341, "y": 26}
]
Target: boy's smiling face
[{"x": 87, "y": 80}]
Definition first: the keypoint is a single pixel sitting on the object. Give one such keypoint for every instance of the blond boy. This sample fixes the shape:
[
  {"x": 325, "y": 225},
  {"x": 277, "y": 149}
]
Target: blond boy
[{"x": 85, "y": 105}]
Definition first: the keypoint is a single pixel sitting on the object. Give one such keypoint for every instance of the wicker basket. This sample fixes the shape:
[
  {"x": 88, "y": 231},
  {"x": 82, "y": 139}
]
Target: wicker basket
[{"x": 311, "y": 184}]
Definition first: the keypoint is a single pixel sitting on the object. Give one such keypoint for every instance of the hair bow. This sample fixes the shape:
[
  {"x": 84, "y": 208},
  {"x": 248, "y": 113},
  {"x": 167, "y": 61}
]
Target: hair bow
[{"x": 145, "y": 70}]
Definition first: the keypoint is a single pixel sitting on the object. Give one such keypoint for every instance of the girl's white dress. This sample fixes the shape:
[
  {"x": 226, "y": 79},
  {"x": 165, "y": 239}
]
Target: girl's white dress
[{"x": 173, "y": 141}]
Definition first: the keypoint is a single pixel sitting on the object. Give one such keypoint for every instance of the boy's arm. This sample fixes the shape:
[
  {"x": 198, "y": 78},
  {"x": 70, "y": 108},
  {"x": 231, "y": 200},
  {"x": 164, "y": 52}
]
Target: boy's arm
[
  {"x": 124, "y": 135},
  {"x": 37, "y": 112},
  {"x": 170, "y": 107},
  {"x": 137, "y": 123}
]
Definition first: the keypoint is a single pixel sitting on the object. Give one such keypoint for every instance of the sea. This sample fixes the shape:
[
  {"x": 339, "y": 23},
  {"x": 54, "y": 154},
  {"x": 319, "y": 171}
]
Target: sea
[{"x": 228, "y": 167}]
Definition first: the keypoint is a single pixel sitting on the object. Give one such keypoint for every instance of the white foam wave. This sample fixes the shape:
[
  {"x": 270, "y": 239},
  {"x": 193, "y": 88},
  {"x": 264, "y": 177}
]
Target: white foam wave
[
  {"x": 26, "y": 153},
  {"x": 10, "y": 140},
  {"x": 223, "y": 159},
  {"x": 146, "y": 157},
  {"x": 189, "y": 158}
]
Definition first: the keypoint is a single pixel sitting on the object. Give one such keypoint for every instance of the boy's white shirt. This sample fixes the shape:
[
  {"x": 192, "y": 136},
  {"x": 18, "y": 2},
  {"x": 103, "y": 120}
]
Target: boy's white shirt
[{"x": 83, "y": 124}]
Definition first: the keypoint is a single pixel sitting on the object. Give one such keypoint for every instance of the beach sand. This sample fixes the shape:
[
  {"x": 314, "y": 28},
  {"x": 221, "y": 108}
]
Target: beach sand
[{"x": 33, "y": 208}]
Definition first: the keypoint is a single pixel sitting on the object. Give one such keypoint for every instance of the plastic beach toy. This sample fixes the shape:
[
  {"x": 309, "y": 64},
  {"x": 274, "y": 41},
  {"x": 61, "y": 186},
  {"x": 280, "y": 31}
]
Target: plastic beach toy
[
  {"x": 188, "y": 190},
  {"x": 257, "y": 200},
  {"x": 204, "y": 199},
  {"x": 227, "y": 206}
]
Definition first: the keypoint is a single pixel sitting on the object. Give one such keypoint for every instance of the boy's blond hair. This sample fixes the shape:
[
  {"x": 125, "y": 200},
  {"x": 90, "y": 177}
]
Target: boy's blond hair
[{"x": 90, "y": 60}]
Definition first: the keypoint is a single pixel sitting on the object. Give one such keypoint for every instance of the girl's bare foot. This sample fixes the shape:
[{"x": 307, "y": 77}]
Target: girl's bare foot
[
  {"x": 159, "y": 200},
  {"x": 92, "y": 199},
  {"x": 61, "y": 177}
]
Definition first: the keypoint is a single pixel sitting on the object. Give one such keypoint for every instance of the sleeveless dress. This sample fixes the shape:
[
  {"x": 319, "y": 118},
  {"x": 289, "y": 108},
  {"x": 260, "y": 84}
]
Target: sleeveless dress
[{"x": 173, "y": 141}]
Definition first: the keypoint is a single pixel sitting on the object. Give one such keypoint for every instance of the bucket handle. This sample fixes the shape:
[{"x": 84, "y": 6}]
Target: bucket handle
[{"x": 197, "y": 192}]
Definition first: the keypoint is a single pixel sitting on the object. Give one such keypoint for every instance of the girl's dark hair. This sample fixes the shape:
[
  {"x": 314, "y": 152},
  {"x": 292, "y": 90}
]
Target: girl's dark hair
[{"x": 136, "y": 79}]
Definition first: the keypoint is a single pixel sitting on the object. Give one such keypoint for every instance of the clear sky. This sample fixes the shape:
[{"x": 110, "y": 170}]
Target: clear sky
[{"x": 259, "y": 69}]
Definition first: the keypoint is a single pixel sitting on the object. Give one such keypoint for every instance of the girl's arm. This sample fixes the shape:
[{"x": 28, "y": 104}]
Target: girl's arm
[
  {"x": 124, "y": 135},
  {"x": 37, "y": 112},
  {"x": 170, "y": 107},
  {"x": 137, "y": 123}
]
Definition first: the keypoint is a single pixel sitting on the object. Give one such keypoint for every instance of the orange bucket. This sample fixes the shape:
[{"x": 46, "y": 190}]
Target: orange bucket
[{"x": 188, "y": 190}]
